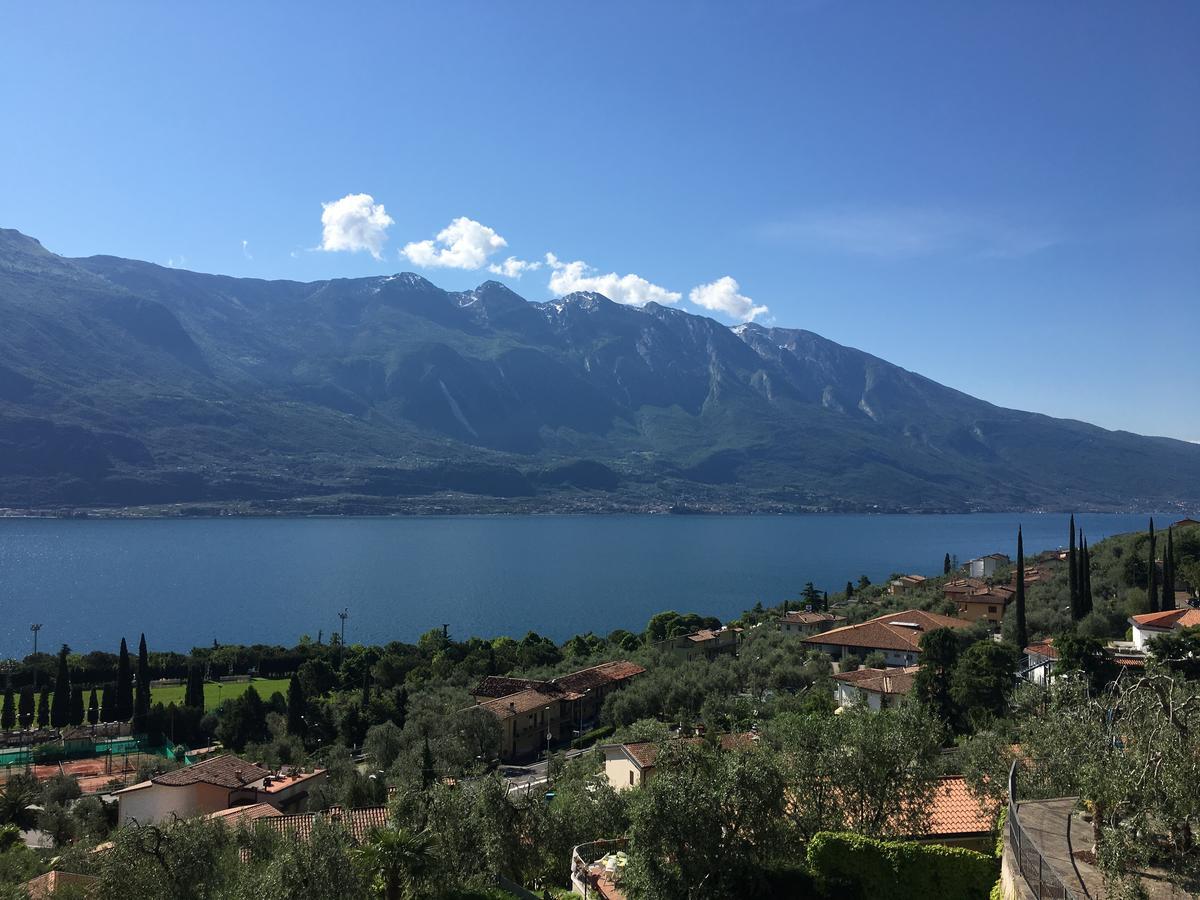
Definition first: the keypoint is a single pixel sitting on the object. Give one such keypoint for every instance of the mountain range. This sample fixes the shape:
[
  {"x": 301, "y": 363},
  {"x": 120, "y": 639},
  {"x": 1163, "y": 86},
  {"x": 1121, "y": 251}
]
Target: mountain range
[{"x": 127, "y": 384}]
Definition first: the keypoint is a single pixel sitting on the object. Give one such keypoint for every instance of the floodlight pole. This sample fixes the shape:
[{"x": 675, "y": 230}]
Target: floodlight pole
[{"x": 35, "y": 628}]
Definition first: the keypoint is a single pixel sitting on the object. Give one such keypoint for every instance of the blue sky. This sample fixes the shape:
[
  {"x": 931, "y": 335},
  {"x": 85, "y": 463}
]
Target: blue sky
[{"x": 1003, "y": 197}]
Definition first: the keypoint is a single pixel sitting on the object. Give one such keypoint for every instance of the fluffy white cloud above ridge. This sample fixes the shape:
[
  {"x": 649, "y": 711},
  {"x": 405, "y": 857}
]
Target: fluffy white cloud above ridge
[
  {"x": 722, "y": 296},
  {"x": 632, "y": 290},
  {"x": 463, "y": 244},
  {"x": 513, "y": 267},
  {"x": 356, "y": 222}
]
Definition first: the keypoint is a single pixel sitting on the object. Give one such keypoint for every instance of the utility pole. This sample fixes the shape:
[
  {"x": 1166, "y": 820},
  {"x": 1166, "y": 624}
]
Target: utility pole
[
  {"x": 446, "y": 630},
  {"x": 344, "y": 615},
  {"x": 35, "y": 628}
]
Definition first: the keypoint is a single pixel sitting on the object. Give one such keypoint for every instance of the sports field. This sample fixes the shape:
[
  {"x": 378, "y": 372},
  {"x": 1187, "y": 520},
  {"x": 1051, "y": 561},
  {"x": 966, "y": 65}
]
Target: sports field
[{"x": 215, "y": 693}]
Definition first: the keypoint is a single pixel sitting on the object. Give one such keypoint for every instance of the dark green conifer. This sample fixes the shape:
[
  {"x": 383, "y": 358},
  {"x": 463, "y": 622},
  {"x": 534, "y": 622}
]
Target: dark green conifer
[
  {"x": 25, "y": 705},
  {"x": 297, "y": 705},
  {"x": 60, "y": 707},
  {"x": 849, "y": 590},
  {"x": 122, "y": 706},
  {"x": 945, "y": 565},
  {"x": 108, "y": 712},
  {"x": 1073, "y": 575},
  {"x": 77, "y": 710},
  {"x": 1021, "y": 638},
  {"x": 43, "y": 708},
  {"x": 141, "y": 700},
  {"x": 1168, "y": 585},
  {"x": 93, "y": 712},
  {"x": 1152, "y": 574},
  {"x": 427, "y": 775},
  {"x": 8, "y": 716}
]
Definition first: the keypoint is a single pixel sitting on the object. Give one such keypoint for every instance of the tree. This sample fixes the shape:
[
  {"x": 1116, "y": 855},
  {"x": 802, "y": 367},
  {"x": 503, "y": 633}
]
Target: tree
[
  {"x": 1152, "y": 574},
  {"x": 946, "y": 565},
  {"x": 297, "y": 705},
  {"x": 1085, "y": 577},
  {"x": 108, "y": 712},
  {"x": 141, "y": 702},
  {"x": 939, "y": 656},
  {"x": 983, "y": 681},
  {"x": 427, "y": 773},
  {"x": 384, "y": 743},
  {"x": 25, "y": 705},
  {"x": 1168, "y": 586},
  {"x": 123, "y": 708},
  {"x": 77, "y": 710},
  {"x": 1021, "y": 638},
  {"x": 60, "y": 708},
  {"x": 1084, "y": 656},
  {"x": 397, "y": 859},
  {"x": 1179, "y": 651},
  {"x": 243, "y": 721},
  {"x": 1073, "y": 575},
  {"x": 849, "y": 590},
  {"x": 93, "y": 711},
  {"x": 709, "y": 824},
  {"x": 194, "y": 693},
  {"x": 8, "y": 716},
  {"x": 43, "y": 708}
]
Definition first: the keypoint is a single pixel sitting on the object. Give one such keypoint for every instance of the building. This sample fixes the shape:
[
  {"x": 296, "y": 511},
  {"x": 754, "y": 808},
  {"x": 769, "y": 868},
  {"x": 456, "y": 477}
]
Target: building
[
  {"x": 629, "y": 765},
  {"x": 46, "y": 886},
  {"x": 805, "y": 623},
  {"x": 1148, "y": 626},
  {"x": 988, "y": 605},
  {"x": 986, "y": 566},
  {"x": 707, "y": 642},
  {"x": 215, "y": 784},
  {"x": 873, "y": 688},
  {"x": 896, "y": 635},
  {"x": 963, "y": 587},
  {"x": 905, "y": 583},
  {"x": 1185, "y": 523},
  {"x": 535, "y": 715},
  {"x": 1040, "y": 658},
  {"x": 358, "y": 823},
  {"x": 958, "y": 817}
]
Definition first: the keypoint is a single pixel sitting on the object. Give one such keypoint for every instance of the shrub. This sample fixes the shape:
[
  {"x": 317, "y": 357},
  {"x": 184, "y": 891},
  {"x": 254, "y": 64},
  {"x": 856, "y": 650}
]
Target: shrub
[{"x": 850, "y": 865}]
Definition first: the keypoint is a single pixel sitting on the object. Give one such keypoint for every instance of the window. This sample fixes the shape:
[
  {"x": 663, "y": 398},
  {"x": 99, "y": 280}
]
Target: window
[
  {"x": 631, "y": 776},
  {"x": 991, "y": 609}
]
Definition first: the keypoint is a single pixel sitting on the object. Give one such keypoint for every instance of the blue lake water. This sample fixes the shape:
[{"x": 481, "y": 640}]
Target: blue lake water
[{"x": 188, "y": 582}]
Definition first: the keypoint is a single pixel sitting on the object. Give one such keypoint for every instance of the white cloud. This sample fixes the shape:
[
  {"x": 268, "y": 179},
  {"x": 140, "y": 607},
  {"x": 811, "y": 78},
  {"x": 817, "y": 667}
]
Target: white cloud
[
  {"x": 176, "y": 262},
  {"x": 513, "y": 267},
  {"x": 632, "y": 290},
  {"x": 722, "y": 296},
  {"x": 463, "y": 244},
  {"x": 246, "y": 249},
  {"x": 356, "y": 222}
]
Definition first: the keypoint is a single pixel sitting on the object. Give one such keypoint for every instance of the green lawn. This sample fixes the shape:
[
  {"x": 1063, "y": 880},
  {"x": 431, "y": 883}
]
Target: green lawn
[{"x": 215, "y": 693}]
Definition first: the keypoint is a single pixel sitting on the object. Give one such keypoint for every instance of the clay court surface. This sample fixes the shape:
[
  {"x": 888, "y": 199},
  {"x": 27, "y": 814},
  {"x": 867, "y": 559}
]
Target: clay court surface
[{"x": 94, "y": 773}]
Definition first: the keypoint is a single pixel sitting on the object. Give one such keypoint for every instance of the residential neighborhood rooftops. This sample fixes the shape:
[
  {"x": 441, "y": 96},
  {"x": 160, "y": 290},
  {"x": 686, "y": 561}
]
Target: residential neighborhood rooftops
[
  {"x": 359, "y": 823},
  {"x": 502, "y": 686},
  {"x": 710, "y": 634},
  {"x": 597, "y": 676},
  {"x": 894, "y": 631},
  {"x": 249, "y": 813},
  {"x": 1167, "y": 619},
  {"x": 801, "y": 617},
  {"x": 955, "y": 809},
  {"x": 566, "y": 687},
  {"x": 895, "y": 680},
  {"x": 645, "y": 753},
  {"x": 1043, "y": 648},
  {"x": 519, "y": 703}
]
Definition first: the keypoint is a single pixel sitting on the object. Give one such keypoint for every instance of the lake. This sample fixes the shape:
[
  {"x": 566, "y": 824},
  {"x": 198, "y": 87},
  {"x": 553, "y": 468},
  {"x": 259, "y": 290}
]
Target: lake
[{"x": 186, "y": 582}]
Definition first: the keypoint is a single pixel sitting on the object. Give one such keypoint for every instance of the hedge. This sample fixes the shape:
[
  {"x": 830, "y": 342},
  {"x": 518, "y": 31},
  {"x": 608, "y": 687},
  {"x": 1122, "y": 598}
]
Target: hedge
[{"x": 850, "y": 865}]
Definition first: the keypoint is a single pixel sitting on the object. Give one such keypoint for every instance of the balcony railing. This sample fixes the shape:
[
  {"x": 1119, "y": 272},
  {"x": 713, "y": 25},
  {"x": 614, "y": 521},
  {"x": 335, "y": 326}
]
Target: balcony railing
[{"x": 1041, "y": 877}]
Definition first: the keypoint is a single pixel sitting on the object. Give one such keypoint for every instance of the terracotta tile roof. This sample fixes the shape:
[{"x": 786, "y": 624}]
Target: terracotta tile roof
[
  {"x": 598, "y": 676},
  {"x": 359, "y": 823},
  {"x": 894, "y": 631},
  {"x": 519, "y": 703},
  {"x": 500, "y": 686},
  {"x": 236, "y": 814},
  {"x": 645, "y": 753},
  {"x": 964, "y": 586},
  {"x": 1043, "y": 648},
  {"x": 812, "y": 618},
  {"x": 1168, "y": 619},
  {"x": 898, "y": 680},
  {"x": 955, "y": 809},
  {"x": 225, "y": 771},
  {"x": 47, "y": 885},
  {"x": 1185, "y": 523},
  {"x": 1002, "y": 596}
]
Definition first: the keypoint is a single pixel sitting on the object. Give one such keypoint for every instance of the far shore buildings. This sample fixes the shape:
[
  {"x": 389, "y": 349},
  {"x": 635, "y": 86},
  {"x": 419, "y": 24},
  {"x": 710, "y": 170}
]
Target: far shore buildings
[
  {"x": 215, "y": 784},
  {"x": 805, "y": 623},
  {"x": 535, "y": 715},
  {"x": 896, "y": 635}
]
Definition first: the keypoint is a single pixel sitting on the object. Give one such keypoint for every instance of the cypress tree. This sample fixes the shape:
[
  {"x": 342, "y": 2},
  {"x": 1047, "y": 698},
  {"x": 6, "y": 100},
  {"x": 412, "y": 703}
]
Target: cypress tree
[
  {"x": 297, "y": 704},
  {"x": 60, "y": 708},
  {"x": 25, "y": 706},
  {"x": 1073, "y": 574},
  {"x": 141, "y": 702},
  {"x": 1152, "y": 575},
  {"x": 1022, "y": 635},
  {"x": 43, "y": 708},
  {"x": 1168, "y": 587},
  {"x": 77, "y": 710},
  {"x": 8, "y": 716},
  {"x": 107, "y": 712},
  {"x": 1088, "y": 600},
  {"x": 122, "y": 706},
  {"x": 849, "y": 590},
  {"x": 945, "y": 565},
  {"x": 194, "y": 693},
  {"x": 400, "y": 701},
  {"x": 93, "y": 713},
  {"x": 427, "y": 766},
  {"x": 366, "y": 688}
]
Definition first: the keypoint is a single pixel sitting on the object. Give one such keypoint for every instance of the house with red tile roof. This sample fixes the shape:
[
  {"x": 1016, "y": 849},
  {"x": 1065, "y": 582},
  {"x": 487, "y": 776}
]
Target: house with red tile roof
[
  {"x": 217, "y": 783},
  {"x": 358, "y": 823},
  {"x": 988, "y": 605},
  {"x": 905, "y": 583},
  {"x": 804, "y": 622},
  {"x": 958, "y": 817},
  {"x": 536, "y": 714},
  {"x": 874, "y": 688},
  {"x": 1148, "y": 626},
  {"x": 1040, "y": 659},
  {"x": 896, "y": 635},
  {"x": 629, "y": 765},
  {"x": 707, "y": 642}
]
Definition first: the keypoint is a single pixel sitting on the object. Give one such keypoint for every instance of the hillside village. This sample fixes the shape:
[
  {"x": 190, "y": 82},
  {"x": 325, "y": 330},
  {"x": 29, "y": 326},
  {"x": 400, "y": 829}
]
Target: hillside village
[{"x": 918, "y": 735}]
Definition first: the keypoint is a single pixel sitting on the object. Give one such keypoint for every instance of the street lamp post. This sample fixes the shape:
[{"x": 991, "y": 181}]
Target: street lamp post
[{"x": 35, "y": 628}]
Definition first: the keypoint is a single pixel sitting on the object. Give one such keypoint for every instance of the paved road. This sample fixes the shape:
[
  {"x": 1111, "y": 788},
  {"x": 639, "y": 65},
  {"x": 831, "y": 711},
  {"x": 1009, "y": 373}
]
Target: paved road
[{"x": 532, "y": 777}]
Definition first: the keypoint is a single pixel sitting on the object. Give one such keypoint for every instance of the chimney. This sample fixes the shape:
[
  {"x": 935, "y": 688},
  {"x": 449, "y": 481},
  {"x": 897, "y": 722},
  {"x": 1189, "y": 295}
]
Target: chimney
[{"x": 237, "y": 773}]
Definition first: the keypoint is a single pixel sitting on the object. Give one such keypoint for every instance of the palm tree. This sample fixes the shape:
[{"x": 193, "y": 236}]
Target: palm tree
[{"x": 397, "y": 859}]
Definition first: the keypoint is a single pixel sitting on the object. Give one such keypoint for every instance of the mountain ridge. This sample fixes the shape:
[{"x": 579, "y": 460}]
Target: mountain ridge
[{"x": 124, "y": 383}]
